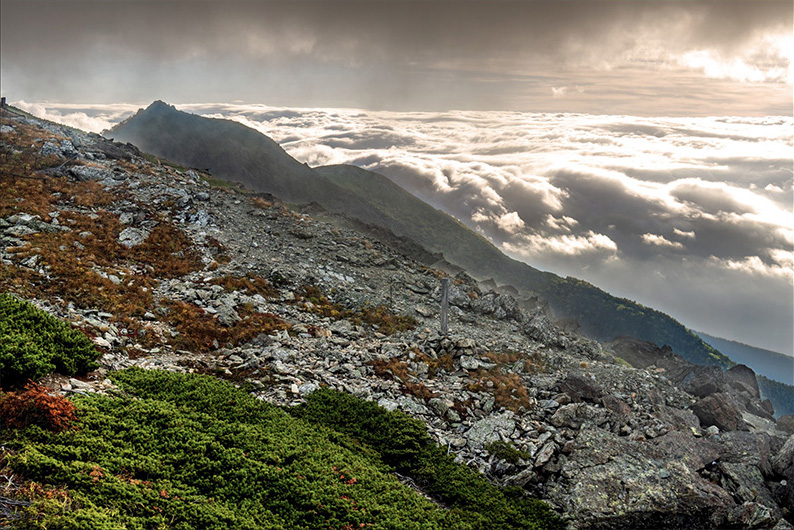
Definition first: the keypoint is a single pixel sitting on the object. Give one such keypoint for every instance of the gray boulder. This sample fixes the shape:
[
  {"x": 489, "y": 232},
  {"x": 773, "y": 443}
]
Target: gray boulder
[
  {"x": 491, "y": 429},
  {"x": 90, "y": 173},
  {"x": 581, "y": 388},
  {"x": 576, "y": 415},
  {"x": 720, "y": 409},
  {"x": 742, "y": 379},
  {"x": 786, "y": 423},
  {"x": 783, "y": 461},
  {"x": 703, "y": 381},
  {"x": 616, "y": 483},
  {"x": 132, "y": 237},
  {"x": 696, "y": 453}
]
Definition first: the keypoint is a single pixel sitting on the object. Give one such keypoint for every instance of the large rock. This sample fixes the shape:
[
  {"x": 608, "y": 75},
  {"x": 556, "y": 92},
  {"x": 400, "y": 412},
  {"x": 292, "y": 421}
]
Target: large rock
[
  {"x": 762, "y": 409},
  {"x": 541, "y": 329},
  {"x": 576, "y": 415},
  {"x": 783, "y": 461},
  {"x": 743, "y": 447},
  {"x": 615, "y": 483},
  {"x": 491, "y": 429},
  {"x": 581, "y": 388},
  {"x": 696, "y": 453},
  {"x": 720, "y": 409},
  {"x": 703, "y": 381},
  {"x": 746, "y": 484},
  {"x": 90, "y": 173},
  {"x": 616, "y": 405},
  {"x": 132, "y": 237},
  {"x": 786, "y": 423},
  {"x": 642, "y": 354},
  {"x": 742, "y": 379}
]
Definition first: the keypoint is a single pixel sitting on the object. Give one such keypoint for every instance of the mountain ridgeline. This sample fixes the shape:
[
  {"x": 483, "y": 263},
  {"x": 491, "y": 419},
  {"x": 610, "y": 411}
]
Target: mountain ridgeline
[{"x": 236, "y": 153}]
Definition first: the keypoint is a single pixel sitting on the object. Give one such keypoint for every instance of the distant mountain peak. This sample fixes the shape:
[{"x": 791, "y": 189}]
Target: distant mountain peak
[{"x": 159, "y": 106}]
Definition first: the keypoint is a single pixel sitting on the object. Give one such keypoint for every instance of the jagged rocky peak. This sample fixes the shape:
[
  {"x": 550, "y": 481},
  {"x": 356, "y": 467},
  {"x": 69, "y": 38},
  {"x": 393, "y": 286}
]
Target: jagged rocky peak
[
  {"x": 160, "y": 106},
  {"x": 622, "y": 435}
]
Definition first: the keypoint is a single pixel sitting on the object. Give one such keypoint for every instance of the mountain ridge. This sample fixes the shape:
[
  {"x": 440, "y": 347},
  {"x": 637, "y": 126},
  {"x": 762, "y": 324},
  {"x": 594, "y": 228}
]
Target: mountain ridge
[{"x": 567, "y": 297}]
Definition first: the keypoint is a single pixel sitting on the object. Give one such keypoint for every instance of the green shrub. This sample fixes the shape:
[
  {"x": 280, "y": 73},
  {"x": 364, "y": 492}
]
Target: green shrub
[
  {"x": 187, "y": 451},
  {"x": 506, "y": 451},
  {"x": 34, "y": 343},
  {"x": 397, "y": 437},
  {"x": 404, "y": 445}
]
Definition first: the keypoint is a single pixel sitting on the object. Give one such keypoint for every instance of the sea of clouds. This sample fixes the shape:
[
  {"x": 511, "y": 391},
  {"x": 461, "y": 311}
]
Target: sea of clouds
[{"x": 691, "y": 216}]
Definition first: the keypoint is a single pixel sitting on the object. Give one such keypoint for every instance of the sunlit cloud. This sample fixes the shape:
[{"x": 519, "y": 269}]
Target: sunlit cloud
[
  {"x": 563, "y": 245},
  {"x": 767, "y": 60},
  {"x": 561, "y": 92},
  {"x": 754, "y": 265},
  {"x": 660, "y": 241},
  {"x": 94, "y": 118}
]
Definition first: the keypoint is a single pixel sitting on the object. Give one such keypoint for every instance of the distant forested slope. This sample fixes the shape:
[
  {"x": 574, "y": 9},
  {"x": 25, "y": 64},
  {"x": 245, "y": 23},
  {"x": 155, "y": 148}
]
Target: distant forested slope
[{"x": 773, "y": 365}]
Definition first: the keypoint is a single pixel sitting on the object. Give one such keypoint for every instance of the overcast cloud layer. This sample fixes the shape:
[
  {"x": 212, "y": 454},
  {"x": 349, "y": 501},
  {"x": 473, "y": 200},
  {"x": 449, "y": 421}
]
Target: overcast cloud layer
[
  {"x": 692, "y": 216},
  {"x": 658, "y": 58}
]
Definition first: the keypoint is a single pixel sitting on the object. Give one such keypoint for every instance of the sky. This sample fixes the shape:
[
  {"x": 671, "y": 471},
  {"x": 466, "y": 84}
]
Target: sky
[
  {"x": 631, "y": 57},
  {"x": 644, "y": 145}
]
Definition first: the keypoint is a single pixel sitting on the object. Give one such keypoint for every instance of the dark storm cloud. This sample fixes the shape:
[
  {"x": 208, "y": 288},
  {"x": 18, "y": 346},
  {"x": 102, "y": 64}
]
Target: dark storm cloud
[{"x": 575, "y": 55}]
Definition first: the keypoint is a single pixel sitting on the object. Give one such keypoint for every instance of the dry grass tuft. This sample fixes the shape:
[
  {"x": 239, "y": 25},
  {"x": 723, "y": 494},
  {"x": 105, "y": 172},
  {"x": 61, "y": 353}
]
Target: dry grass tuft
[
  {"x": 508, "y": 389},
  {"x": 398, "y": 370},
  {"x": 202, "y": 332},
  {"x": 250, "y": 284}
]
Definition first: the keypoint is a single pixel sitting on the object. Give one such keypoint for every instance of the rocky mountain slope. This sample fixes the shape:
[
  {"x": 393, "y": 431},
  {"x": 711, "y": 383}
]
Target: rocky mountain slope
[
  {"x": 166, "y": 272},
  {"x": 237, "y": 153}
]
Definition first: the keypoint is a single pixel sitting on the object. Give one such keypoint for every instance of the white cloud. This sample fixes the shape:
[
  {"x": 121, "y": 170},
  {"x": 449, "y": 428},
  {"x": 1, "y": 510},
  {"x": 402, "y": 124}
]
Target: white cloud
[
  {"x": 682, "y": 233},
  {"x": 564, "y": 245},
  {"x": 94, "y": 118},
  {"x": 766, "y": 60},
  {"x": 660, "y": 241},
  {"x": 755, "y": 266},
  {"x": 511, "y": 223},
  {"x": 562, "y": 224},
  {"x": 563, "y": 91}
]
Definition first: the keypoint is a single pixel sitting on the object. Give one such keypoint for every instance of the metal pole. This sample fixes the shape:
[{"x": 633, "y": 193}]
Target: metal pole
[{"x": 444, "y": 305}]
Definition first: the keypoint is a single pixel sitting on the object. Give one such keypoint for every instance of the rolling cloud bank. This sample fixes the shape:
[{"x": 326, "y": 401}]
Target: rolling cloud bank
[{"x": 692, "y": 216}]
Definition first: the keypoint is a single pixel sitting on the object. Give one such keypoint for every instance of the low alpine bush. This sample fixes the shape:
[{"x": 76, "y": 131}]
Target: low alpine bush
[
  {"x": 36, "y": 406},
  {"x": 34, "y": 343},
  {"x": 405, "y": 446}
]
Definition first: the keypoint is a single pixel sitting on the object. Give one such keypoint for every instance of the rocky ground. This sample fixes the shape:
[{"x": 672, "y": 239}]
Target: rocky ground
[{"x": 170, "y": 272}]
